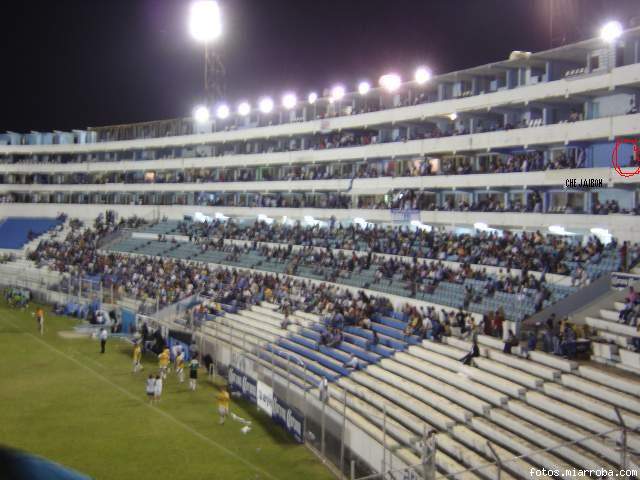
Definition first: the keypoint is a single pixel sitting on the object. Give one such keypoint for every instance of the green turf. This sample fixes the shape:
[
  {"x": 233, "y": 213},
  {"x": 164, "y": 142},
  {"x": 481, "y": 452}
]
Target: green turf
[{"x": 60, "y": 398}]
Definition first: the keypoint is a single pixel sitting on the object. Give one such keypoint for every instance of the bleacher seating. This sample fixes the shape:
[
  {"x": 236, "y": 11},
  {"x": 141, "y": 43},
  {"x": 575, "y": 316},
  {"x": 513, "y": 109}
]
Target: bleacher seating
[
  {"x": 614, "y": 341},
  {"x": 14, "y": 231}
]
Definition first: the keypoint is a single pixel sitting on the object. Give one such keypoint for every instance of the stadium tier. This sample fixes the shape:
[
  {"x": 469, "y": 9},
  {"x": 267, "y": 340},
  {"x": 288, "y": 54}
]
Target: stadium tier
[
  {"x": 448, "y": 269},
  {"x": 526, "y": 142}
]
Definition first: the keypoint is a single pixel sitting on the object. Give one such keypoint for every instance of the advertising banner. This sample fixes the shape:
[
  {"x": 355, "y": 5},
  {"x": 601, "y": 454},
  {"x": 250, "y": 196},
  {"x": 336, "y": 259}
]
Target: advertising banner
[
  {"x": 262, "y": 394},
  {"x": 288, "y": 418},
  {"x": 265, "y": 398},
  {"x": 247, "y": 386}
]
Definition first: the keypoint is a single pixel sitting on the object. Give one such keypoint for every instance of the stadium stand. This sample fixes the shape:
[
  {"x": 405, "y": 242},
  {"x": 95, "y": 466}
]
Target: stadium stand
[
  {"x": 15, "y": 232},
  {"x": 421, "y": 259}
]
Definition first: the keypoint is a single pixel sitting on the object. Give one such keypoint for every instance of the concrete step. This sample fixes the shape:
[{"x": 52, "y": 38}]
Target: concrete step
[
  {"x": 601, "y": 392},
  {"x": 609, "y": 379},
  {"x": 437, "y": 394},
  {"x": 451, "y": 378}
]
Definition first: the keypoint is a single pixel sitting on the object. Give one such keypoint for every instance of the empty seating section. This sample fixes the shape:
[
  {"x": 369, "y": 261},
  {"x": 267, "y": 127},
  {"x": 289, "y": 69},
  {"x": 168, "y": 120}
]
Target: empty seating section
[
  {"x": 614, "y": 341},
  {"x": 15, "y": 231},
  {"x": 520, "y": 405},
  {"x": 166, "y": 227}
]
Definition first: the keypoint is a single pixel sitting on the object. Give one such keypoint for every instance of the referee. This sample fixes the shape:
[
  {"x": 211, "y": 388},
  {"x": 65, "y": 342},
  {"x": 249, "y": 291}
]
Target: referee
[{"x": 103, "y": 339}]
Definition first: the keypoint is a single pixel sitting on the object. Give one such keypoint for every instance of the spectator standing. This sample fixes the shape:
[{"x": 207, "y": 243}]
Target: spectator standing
[
  {"x": 510, "y": 342},
  {"x": 474, "y": 352}
]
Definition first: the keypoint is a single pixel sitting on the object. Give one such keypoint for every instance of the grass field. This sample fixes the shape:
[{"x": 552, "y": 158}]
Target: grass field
[{"x": 61, "y": 399}]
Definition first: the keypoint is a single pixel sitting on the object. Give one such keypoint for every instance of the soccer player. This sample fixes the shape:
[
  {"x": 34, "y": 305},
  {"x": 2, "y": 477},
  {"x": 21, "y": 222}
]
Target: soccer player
[
  {"x": 137, "y": 357},
  {"x": 223, "y": 405},
  {"x": 163, "y": 362},
  {"x": 40, "y": 319},
  {"x": 103, "y": 339},
  {"x": 194, "y": 364},
  {"x": 151, "y": 388},
  {"x": 157, "y": 388},
  {"x": 180, "y": 366}
]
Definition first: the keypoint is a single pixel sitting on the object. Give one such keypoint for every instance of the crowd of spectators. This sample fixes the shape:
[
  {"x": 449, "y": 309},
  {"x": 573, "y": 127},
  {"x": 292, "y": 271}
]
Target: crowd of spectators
[
  {"x": 167, "y": 281},
  {"x": 527, "y": 161},
  {"x": 530, "y": 251}
]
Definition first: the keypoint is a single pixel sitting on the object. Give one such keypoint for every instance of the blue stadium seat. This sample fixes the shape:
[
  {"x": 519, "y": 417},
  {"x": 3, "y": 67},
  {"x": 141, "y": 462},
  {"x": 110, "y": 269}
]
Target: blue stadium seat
[{"x": 14, "y": 231}]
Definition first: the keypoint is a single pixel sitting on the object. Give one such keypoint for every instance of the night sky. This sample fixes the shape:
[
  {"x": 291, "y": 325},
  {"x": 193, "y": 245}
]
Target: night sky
[{"x": 77, "y": 63}]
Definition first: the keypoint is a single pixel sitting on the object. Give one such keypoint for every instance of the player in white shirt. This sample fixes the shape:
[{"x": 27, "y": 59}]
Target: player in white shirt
[
  {"x": 157, "y": 388},
  {"x": 151, "y": 388},
  {"x": 180, "y": 366}
]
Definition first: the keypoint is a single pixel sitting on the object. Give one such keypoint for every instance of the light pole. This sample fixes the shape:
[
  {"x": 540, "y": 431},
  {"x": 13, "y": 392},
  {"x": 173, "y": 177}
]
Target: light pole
[{"x": 205, "y": 26}]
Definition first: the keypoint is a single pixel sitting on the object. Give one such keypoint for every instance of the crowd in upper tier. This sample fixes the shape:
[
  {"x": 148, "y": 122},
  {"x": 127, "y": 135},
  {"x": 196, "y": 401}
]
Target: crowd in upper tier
[
  {"x": 529, "y": 251},
  {"x": 528, "y": 161},
  {"x": 323, "y": 141}
]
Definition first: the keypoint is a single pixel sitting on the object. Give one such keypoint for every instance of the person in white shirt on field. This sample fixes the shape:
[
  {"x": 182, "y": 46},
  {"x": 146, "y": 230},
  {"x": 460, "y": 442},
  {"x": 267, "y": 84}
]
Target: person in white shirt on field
[
  {"x": 103, "y": 339},
  {"x": 180, "y": 366},
  {"x": 151, "y": 388},
  {"x": 157, "y": 388}
]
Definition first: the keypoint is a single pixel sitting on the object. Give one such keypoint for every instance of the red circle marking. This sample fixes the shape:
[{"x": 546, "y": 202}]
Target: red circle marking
[{"x": 614, "y": 157}]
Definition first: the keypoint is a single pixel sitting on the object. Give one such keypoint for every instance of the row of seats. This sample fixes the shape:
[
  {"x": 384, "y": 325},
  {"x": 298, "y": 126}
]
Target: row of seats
[
  {"x": 614, "y": 340},
  {"x": 14, "y": 231},
  {"x": 519, "y": 404}
]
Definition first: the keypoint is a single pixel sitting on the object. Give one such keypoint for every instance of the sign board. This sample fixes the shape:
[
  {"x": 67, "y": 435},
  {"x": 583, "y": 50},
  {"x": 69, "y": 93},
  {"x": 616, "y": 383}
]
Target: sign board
[
  {"x": 289, "y": 418},
  {"x": 265, "y": 398},
  {"x": 247, "y": 386},
  {"x": 262, "y": 395}
]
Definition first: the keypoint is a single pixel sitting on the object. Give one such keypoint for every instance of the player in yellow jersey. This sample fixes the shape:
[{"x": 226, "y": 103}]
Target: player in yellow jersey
[
  {"x": 137, "y": 357},
  {"x": 223, "y": 405},
  {"x": 163, "y": 362},
  {"x": 40, "y": 319}
]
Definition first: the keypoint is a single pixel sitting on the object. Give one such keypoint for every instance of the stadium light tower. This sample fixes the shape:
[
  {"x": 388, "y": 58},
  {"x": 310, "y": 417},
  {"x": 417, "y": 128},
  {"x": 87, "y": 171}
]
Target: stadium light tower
[{"x": 205, "y": 26}]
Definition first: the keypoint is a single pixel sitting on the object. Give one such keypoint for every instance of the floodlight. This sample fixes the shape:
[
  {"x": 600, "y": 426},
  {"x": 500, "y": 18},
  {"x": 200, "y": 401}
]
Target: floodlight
[
  {"x": 363, "y": 88},
  {"x": 337, "y": 92},
  {"x": 422, "y": 75},
  {"x": 222, "y": 111},
  {"x": 266, "y": 105},
  {"x": 313, "y": 96},
  {"x": 201, "y": 114},
  {"x": 204, "y": 20},
  {"x": 390, "y": 82},
  {"x": 453, "y": 116},
  {"x": 244, "y": 109},
  {"x": 289, "y": 100},
  {"x": 611, "y": 31}
]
